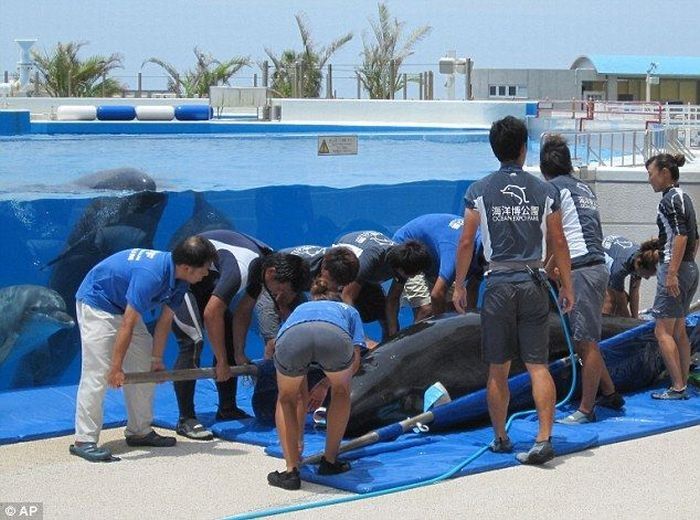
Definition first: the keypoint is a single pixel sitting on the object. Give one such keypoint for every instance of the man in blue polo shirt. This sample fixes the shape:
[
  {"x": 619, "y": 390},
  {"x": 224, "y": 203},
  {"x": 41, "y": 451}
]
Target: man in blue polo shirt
[
  {"x": 111, "y": 303},
  {"x": 430, "y": 293},
  {"x": 518, "y": 214}
]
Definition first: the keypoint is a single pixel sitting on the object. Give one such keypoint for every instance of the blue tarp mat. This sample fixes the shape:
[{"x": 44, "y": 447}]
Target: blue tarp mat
[{"x": 418, "y": 457}]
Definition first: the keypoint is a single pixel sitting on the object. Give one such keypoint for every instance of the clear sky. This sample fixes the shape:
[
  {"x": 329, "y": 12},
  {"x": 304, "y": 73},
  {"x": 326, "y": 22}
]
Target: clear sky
[{"x": 495, "y": 33}]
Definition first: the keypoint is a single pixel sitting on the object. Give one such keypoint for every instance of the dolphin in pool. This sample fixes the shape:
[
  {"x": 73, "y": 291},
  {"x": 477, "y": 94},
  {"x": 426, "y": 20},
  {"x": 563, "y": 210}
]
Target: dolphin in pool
[
  {"x": 393, "y": 378},
  {"x": 205, "y": 217},
  {"x": 108, "y": 225},
  {"x": 123, "y": 179},
  {"x": 29, "y": 316}
]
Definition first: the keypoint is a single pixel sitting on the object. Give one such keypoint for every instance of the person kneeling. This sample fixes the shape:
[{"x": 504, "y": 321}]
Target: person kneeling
[{"x": 325, "y": 332}]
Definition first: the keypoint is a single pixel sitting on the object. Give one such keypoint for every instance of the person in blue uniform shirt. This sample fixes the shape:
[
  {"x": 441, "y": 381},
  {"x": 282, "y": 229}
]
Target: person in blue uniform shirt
[
  {"x": 112, "y": 302},
  {"x": 677, "y": 276},
  {"x": 325, "y": 332},
  {"x": 625, "y": 258},
  {"x": 518, "y": 213},
  {"x": 431, "y": 293}
]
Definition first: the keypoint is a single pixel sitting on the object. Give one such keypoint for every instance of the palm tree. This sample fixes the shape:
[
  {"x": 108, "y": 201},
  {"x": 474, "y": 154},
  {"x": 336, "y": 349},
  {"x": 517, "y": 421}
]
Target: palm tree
[
  {"x": 207, "y": 72},
  {"x": 377, "y": 57},
  {"x": 311, "y": 59},
  {"x": 63, "y": 74}
]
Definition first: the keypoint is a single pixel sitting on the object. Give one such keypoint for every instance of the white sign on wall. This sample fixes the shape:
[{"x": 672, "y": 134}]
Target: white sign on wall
[{"x": 337, "y": 145}]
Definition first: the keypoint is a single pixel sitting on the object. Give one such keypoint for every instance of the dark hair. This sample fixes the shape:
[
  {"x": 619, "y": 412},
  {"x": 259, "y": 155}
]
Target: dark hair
[
  {"x": 411, "y": 256},
  {"x": 195, "y": 251},
  {"x": 648, "y": 255},
  {"x": 320, "y": 291},
  {"x": 507, "y": 138},
  {"x": 342, "y": 264},
  {"x": 555, "y": 157},
  {"x": 668, "y": 161},
  {"x": 288, "y": 268}
]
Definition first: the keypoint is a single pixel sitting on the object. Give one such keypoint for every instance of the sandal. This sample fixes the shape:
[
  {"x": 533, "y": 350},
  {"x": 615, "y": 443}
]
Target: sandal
[{"x": 90, "y": 452}]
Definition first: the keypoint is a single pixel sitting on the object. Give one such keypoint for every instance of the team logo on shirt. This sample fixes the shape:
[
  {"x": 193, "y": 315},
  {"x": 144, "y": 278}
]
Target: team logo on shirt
[
  {"x": 584, "y": 187},
  {"x": 373, "y": 236},
  {"x": 516, "y": 192},
  {"x": 136, "y": 254},
  {"x": 616, "y": 240},
  {"x": 456, "y": 223},
  {"x": 306, "y": 250}
]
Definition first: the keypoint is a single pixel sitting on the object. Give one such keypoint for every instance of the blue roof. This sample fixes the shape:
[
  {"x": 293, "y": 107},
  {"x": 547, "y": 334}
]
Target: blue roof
[{"x": 639, "y": 65}]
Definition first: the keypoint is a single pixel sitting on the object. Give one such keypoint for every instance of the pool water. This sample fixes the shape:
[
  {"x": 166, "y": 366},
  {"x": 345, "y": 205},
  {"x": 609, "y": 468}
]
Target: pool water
[
  {"x": 48, "y": 164},
  {"x": 275, "y": 188}
]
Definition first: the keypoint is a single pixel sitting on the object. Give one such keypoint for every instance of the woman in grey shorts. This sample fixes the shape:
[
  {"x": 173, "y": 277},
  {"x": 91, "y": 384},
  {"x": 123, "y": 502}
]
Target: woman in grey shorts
[
  {"x": 324, "y": 332},
  {"x": 677, "y": 276}
]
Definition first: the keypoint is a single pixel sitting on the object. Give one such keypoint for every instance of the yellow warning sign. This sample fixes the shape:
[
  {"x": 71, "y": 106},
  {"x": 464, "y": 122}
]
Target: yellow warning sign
[
  {"x": 337, "y": 145},
  {"x": 323, "y": 149}
]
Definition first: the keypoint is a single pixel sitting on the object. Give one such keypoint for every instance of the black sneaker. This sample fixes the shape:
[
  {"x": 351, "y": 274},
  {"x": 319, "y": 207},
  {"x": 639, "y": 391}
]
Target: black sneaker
[
  {"x": 613, "y": 401},
  {"x": 499, "y": 445},
  {"x": 285, "y": 479},
  {"x": 233, "y": 414},
  {"x": 540, "y": 453},
  {"x": 328, "y": 468}
]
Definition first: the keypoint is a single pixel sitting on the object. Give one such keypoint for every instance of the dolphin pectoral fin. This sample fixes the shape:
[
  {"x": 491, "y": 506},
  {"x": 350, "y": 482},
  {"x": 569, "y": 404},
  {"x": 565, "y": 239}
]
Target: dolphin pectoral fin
[
  {"x": 6, "y": 346},
  {"x": 81, "y": 245}
]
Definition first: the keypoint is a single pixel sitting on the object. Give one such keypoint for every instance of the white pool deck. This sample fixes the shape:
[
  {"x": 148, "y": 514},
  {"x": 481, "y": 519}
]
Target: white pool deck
[{"x": 651, "y": 477}]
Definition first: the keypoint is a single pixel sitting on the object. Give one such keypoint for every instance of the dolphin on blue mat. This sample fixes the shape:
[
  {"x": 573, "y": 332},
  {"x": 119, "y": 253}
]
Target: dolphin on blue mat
[
  {"x": 392, "y": 379},
  {"x": 29, "y": 315},
  {"x": 122, "y": 179}
]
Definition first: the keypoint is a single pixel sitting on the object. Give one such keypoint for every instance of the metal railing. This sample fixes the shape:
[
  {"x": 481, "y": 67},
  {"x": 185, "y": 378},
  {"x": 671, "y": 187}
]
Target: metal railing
[{"x": 622, "y": 147}]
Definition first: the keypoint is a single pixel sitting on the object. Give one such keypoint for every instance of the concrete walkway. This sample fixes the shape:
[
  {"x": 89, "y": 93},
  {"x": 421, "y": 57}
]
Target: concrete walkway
[{"x": 652, "y": 477}]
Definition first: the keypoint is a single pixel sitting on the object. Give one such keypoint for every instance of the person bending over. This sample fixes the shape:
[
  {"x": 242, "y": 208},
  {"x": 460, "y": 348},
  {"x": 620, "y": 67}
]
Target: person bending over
[{"x": 324, "y": 331}]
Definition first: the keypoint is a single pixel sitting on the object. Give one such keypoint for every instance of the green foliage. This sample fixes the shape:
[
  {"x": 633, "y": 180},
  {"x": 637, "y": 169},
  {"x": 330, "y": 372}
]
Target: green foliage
[
  {"x": 63, "y": 74},
  {"x": 377, "y": 56},
  {"x": 311, "y": 59},
  {"x": 207, "y": 72}
]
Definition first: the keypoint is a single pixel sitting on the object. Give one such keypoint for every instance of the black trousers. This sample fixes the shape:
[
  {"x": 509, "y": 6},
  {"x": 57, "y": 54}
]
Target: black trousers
[{"x": 188, "y": 326}]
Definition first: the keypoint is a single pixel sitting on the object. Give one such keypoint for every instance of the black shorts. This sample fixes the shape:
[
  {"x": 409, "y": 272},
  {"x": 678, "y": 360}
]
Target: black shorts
[
  {"x": 514, "y": 322},
  {"x": 371, "y": 302}
]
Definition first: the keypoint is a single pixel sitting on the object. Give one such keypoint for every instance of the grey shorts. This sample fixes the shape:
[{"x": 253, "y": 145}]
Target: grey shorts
[
  {"x": 668, "y": 306},
  {"x": 514, "y": 322},
  {"x": 590, "y": 285},
  {"x": 318, "y": 342}
]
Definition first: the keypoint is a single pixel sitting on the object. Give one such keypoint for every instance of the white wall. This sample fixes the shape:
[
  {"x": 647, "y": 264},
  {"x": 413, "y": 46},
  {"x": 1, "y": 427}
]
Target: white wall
[{"x": 471, "y": 114}]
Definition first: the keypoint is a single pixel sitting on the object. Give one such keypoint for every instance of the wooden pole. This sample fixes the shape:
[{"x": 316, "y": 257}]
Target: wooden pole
[{"x": 188, "y": 374}]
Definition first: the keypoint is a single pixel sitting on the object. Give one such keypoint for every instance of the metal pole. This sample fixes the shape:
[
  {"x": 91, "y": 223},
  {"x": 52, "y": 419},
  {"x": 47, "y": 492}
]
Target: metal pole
[
  {"x": 36, "y": 83},
  {"x": 359, "y": 86},
  {"x": 187, "y": 374},
  {"x": 104, "y": 79},
  {"x": 405, "y": 85},
  {"x": 300, "y": 80},
  {"x": 139, "y": 82},
  {"x": 255, "y": 79},
  {"x": 431, "y": 84},
  {"x": 70, "y": 91},
  {"x": 329, "y": 82},
  {"x": 265, "y": 73},
  {"x": 392, "y": 78},
  {"x": 7, "y": 77},
  {"x": 420, "y": 85}
]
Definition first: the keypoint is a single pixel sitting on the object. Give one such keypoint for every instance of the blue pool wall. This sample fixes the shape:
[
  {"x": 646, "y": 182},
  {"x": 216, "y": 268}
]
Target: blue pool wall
[{"x": 280, "y": 216}]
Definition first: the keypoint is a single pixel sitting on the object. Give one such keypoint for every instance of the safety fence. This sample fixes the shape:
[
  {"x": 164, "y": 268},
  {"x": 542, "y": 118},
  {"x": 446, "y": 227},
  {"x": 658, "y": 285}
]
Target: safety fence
[{"x": 623, "y": 147}]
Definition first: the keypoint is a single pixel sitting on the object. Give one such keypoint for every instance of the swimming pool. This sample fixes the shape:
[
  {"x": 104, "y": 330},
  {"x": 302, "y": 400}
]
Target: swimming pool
[
  {"x": 48, "y": 164},
  {"x": 274, "y": 187}
]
